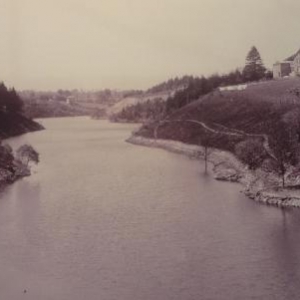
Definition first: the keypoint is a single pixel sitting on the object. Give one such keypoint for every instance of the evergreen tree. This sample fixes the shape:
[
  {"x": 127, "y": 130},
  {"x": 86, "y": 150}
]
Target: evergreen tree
[
  {"x": 10, "y": 101},
  {"x": 3, "y": 96},
  {"x": 254, "y": 68},
  {"x": 14, "y": 102}
]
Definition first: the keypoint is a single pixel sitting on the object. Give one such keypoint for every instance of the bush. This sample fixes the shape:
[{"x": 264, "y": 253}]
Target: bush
[
  {"x": 26, "y": 154},
  {"x": 251, "y": 152}
]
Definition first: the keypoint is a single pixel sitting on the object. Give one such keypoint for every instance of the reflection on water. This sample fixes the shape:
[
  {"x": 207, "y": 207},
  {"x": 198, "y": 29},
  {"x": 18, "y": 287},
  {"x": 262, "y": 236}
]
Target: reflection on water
[{"x": 103, "y": 219}]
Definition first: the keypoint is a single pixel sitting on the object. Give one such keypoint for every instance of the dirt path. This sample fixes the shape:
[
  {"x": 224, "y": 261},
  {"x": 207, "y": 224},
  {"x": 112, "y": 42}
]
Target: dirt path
[{"x": 226, "y": 131}]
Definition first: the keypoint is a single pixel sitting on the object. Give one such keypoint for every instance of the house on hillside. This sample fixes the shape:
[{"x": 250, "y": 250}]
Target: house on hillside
[{"x": 288, "y": 67}]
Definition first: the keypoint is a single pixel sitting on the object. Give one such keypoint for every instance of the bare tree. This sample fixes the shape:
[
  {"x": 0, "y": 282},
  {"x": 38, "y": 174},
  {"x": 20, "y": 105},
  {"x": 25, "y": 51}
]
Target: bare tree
[
  {"x": 285, "y": 147},
  {"x": 205, "y": 142}
]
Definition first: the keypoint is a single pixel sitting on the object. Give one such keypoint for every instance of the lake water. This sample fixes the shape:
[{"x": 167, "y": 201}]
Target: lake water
[{"x": 101, "y": 219}]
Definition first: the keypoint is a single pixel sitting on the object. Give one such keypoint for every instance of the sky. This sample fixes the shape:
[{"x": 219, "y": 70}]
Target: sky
[{"x": 135, "y": 44}]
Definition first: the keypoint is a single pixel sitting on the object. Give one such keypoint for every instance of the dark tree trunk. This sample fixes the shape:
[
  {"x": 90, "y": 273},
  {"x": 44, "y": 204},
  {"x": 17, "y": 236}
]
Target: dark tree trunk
[
  {"x": 282, "y": 175},
  {"x": 205, "y": 159},
  {"x": 283, "y": 181}
]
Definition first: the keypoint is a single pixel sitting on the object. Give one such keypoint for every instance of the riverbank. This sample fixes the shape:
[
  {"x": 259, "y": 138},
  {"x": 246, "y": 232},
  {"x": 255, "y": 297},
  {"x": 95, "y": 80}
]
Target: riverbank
[
  {"x": 11, "y": 125},
  {"x": 258, "y": 185},
  {"x": 14, "y": 124}
]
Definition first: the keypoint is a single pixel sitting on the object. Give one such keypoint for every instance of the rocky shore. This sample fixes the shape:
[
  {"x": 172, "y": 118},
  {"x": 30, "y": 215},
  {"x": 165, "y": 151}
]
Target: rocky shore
[
  {"x": 258, "y": 185},
  {"x": 16, "y": 171}
]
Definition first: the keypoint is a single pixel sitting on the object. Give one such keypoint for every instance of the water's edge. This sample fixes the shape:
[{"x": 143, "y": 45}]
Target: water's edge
[{"x": 227, "y": 167}]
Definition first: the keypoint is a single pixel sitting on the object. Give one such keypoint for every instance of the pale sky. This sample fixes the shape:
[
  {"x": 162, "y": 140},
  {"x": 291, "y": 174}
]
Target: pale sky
[{"x": 95, "y": 44}]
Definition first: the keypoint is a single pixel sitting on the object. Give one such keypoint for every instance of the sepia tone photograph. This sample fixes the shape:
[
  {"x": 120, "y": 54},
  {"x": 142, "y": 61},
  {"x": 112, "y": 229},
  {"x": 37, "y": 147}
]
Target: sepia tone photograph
[{"x": 149, "y": 150}]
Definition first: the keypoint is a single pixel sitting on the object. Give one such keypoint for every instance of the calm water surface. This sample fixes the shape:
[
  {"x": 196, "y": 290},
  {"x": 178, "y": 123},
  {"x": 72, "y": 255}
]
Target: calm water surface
[{"x": 104, "y": 219}]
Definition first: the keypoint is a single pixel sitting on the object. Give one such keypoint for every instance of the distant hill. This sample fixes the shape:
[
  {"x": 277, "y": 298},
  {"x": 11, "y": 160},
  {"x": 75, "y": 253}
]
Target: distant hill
[
  {"x": 54, "y": 108},
  {"x": 61, "y": 103}
]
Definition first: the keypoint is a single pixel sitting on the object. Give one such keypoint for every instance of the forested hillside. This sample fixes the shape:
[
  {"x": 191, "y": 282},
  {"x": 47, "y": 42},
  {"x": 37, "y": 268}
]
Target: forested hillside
[
  {"x": 144, "y": 106},
  {"x": 176, "y": 93},
  {"x": 12, "y": 120}
]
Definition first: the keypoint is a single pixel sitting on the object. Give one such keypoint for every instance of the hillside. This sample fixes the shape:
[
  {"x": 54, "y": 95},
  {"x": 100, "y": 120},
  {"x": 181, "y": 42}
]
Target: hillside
[
  {"x": 136, "y": 100},
  {"x": 256, "y": 110},
  {"x": 141, "y": 106},
  {"x": 48, "y": 109},
  {"x": 13, "y": 124}
]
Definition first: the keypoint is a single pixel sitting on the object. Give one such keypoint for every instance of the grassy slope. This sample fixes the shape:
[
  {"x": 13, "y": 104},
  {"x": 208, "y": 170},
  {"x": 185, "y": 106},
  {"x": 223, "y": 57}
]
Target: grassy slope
[
  {"x": 253, "y": 110},
  {"x": 130, "y": 101}
]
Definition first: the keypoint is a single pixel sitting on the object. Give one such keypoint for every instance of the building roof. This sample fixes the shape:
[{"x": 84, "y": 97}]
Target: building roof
[{"x": 291, "y": 58}]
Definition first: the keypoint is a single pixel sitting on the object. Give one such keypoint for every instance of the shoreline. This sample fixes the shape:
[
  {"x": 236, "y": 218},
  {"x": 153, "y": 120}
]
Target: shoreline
[{"x": 257, "y": 185}]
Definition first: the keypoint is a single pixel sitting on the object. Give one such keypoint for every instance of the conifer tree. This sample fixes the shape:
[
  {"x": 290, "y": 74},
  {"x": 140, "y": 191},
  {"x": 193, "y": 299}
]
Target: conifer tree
[{"x": 254, "y": 68}]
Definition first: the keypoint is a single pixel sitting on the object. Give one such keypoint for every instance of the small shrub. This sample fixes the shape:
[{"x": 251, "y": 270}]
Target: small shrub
[{"x": 251, "y": 152}]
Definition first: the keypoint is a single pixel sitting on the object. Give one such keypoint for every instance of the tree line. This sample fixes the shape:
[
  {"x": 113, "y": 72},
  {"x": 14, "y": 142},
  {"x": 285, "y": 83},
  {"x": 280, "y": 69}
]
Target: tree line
[
  {"x": 149, "y": 110},
  {"x": 171, "y": 84},
  {"x": 254, "y": 70}
]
